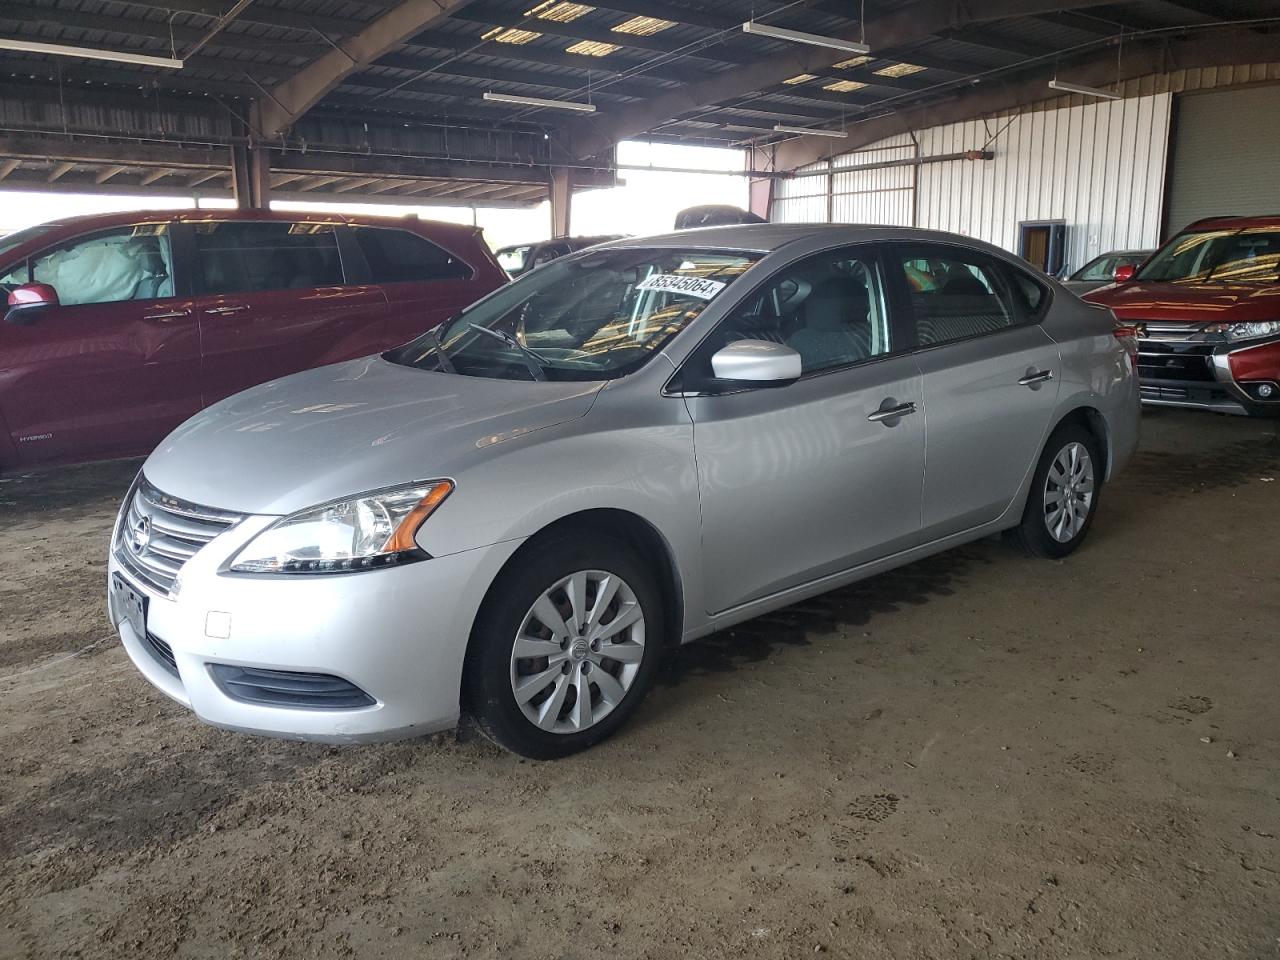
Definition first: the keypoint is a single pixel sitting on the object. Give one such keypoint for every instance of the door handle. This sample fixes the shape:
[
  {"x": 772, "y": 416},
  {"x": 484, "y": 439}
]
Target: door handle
[
  {"x": 223, "y": 311},
  {"x": 892, "y": 413},
  {"x": 1036, "y": 377},
  {"x": 167, "y": 315}
]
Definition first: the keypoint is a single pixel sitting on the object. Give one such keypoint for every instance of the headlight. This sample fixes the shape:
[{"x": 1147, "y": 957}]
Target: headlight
[
  {"x": 1250, "y": 331},
  {"x": 372, "y": 530}
]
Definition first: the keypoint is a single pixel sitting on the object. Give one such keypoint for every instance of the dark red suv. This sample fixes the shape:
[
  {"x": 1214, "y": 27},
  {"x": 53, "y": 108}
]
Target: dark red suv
[
  {"x": 1206, "y": 310},
  {"x": 119, "y": 327}
]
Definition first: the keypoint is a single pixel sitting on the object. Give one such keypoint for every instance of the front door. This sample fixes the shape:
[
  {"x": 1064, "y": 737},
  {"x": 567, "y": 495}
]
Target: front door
[
  {"x": 116, "y": 366},
  {"x": 805, "y": 480},
  {"x": 272, "y": 299},
  {"x": 991, "y": 378}
]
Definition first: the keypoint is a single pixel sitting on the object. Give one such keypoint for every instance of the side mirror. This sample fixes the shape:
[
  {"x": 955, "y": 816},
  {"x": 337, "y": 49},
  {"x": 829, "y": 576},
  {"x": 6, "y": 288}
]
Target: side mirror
[
  {"x": 29, "y": 302},
  {"x": 761, "y": 362},
  {"x": 1124, "y": 272}
]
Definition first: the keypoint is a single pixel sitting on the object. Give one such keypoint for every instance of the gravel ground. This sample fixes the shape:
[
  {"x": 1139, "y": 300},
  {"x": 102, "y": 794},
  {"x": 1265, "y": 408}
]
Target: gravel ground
[{"x": 976, "y": 756}]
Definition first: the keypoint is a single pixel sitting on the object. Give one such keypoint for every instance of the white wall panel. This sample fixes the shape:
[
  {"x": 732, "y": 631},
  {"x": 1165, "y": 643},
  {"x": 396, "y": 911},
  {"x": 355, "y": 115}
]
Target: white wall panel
[{"x": 1098, "y": 165}]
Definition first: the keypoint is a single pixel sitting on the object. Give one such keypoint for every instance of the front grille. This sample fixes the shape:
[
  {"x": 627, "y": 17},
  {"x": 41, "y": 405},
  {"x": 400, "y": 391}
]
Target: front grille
[
  {"x": 162, "y": 652},
  {"x": 286, "y": 688},
  {"x": 160, "y": 533},
  {"x": 1175, "y": 360},
  {"x": 1150, "y": 392}
]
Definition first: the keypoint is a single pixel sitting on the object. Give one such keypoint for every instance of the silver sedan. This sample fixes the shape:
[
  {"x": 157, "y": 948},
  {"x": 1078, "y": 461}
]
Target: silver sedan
[{"x": 517, "y": 513}]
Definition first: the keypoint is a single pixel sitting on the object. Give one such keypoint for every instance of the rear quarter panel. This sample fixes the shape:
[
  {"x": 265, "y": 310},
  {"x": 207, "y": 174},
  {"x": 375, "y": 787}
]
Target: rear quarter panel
[{"x": 1097, "y": 374}]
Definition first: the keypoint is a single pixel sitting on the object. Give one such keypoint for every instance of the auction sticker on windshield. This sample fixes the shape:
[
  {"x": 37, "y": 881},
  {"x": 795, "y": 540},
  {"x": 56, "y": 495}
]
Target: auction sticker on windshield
[{"x": 673, "y": 283}]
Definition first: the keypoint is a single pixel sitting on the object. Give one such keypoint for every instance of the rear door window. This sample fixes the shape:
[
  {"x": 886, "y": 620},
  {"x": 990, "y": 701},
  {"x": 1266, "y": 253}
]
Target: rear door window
[
  {"x": 955, "y": 294},
  {"x": 241, "y": 256},
  {"x": 398, "y": 256},
  {"x": 110, "y": 266}
]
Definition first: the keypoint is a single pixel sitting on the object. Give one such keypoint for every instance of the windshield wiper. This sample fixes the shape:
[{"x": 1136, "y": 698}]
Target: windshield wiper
[
  {"x": 445, "y": 363},
  {"x": 534, "y": 362}
]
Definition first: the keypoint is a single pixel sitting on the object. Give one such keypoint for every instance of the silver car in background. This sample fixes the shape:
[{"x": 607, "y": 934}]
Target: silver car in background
[{"x": 627, "y": 449}]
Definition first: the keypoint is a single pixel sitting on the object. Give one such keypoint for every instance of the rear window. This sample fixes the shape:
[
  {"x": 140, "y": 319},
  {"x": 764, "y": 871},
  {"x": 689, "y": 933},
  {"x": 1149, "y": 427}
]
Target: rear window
[
  {"x": 241, "y": 256},
  {"x": 398, "y": 256}
]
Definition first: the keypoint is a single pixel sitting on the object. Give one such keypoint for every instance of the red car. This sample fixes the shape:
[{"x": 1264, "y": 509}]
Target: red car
[
  {"x": 1206, "y": 310},
  {"x": 119, "y": 327}
]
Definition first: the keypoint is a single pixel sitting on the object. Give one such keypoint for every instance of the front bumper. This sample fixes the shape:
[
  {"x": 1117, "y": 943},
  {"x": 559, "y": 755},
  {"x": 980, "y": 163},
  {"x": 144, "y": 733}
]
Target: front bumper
[
  {"x": 1208, "y": 373},
  {"x": 398, "y": 634}
]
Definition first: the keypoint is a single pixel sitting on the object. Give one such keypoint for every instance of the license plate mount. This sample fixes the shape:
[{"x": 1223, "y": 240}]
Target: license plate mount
[{"x": 131, "y": 603}]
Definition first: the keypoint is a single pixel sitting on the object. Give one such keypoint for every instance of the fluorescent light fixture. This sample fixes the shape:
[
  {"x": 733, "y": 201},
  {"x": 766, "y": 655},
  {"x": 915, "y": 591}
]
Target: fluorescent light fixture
[
  {"x": 1087, "y": 91},
  {"x": 540, "y": 102},
  {"x": 89, "y": 53},
  {"x": 810, "y": 131},
  {"x": 795, "y": 36}
]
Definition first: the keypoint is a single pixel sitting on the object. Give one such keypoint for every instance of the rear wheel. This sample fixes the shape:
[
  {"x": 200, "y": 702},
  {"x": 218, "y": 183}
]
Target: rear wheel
[
  {"x": 1064, "y": 495},
  {"x": 565, "y": 647}
]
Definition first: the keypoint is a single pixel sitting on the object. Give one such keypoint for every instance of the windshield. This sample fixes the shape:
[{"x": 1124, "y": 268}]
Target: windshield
[
  {"x": 511, "y": 259},
  {"x": 597, "y": 316},
  {"x": 1251, "y": 255}
]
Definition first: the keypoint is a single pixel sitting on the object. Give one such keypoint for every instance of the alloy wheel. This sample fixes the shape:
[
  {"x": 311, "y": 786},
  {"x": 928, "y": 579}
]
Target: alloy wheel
[
  {"x": 1068, "y": 492},
  {"x": 578, "y": 651}
]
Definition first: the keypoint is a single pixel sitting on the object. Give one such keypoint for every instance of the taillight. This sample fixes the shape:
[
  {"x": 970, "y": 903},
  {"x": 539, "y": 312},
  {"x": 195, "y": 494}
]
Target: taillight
[{"x": 1128, "y": 335}]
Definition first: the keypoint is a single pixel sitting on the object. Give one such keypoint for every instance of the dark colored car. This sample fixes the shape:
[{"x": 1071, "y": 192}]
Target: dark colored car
[
  {"x": 121, "y": 326},
  {"x": 1101, "y": 270},
  {"x": 522, "y": 257},
  {"x": 1206, "y": 311},
  {"x": 714, "y": 215}
]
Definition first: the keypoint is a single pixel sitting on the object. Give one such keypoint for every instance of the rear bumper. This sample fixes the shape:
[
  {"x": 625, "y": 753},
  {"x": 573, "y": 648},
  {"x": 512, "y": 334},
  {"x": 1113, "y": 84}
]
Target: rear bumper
[{"x": 1207, "y": 375}]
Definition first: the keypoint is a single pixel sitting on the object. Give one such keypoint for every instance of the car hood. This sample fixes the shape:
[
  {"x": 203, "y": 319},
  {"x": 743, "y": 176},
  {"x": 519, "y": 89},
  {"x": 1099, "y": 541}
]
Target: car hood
[
  {"x": 347, "y": 428},
  {"x": 1190, "y": 302}
]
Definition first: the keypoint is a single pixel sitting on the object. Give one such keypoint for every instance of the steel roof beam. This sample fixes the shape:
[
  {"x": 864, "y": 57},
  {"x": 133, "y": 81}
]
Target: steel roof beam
[
  {"x": 577, "y": 30},
  {"x": 18, "y": 11},
  {"x": 288, "y": 101},
  {"x": 524, "y": 53},
  {"x": 906, "y": 23},
  {"x": 1030, "y": 86}
]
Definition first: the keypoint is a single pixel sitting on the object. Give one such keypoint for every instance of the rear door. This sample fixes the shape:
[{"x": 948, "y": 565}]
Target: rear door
[
  {"x": 802, "y": 481},
  {"x": 116, "y": 366},
  {"x": 272, "y": 299},
  {"x": 424, "y": 283},
  {"x": 990, "y": 378}
]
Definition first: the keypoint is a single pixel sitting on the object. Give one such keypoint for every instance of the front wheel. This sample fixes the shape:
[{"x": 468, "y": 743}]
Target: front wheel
[
  {"x": 1064, "y": 495},
  {"x": 565, "y": 647}
]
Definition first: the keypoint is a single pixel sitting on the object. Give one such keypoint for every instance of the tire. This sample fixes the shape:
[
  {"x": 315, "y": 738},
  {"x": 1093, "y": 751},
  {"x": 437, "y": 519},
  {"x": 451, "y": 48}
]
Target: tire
[
  {"x": 1044, "y": 531},
  {"x": 549, "y": 722}
]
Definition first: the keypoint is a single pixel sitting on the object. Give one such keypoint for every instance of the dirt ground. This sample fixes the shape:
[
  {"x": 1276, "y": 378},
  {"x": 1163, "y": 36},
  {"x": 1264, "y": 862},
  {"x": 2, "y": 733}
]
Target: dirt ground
[{"x": 976, "y": 756}]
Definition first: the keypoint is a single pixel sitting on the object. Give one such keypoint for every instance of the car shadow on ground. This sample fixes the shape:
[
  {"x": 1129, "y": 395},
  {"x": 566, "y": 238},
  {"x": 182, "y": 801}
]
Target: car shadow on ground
[
  {"x": 852, "y": 607},
  {"x": 23, "y": 496}
]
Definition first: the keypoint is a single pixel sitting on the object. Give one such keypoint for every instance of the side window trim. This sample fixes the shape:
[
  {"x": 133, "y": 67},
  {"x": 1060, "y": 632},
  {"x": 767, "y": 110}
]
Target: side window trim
[{"x": 355, "y": 269}]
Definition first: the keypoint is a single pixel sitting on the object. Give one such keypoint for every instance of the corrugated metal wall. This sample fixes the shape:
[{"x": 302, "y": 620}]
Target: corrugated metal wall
[{"x": 1099, "y": 166}]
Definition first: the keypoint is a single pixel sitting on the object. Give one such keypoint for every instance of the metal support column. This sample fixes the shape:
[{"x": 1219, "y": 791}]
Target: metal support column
[
  {"x": 561, "y": 190},
  {"x": 250, "y": 176}
]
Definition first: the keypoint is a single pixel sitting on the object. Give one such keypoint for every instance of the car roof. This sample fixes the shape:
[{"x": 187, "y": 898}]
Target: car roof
[
  {"x": 1234, "y": 223},
  {"x": 766, "y": 237},
  {"x": 195, "y": 215}
]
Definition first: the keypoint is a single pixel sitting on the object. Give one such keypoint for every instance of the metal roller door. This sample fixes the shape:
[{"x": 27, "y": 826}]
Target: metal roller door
[{"x": 1226, "y": 155}]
